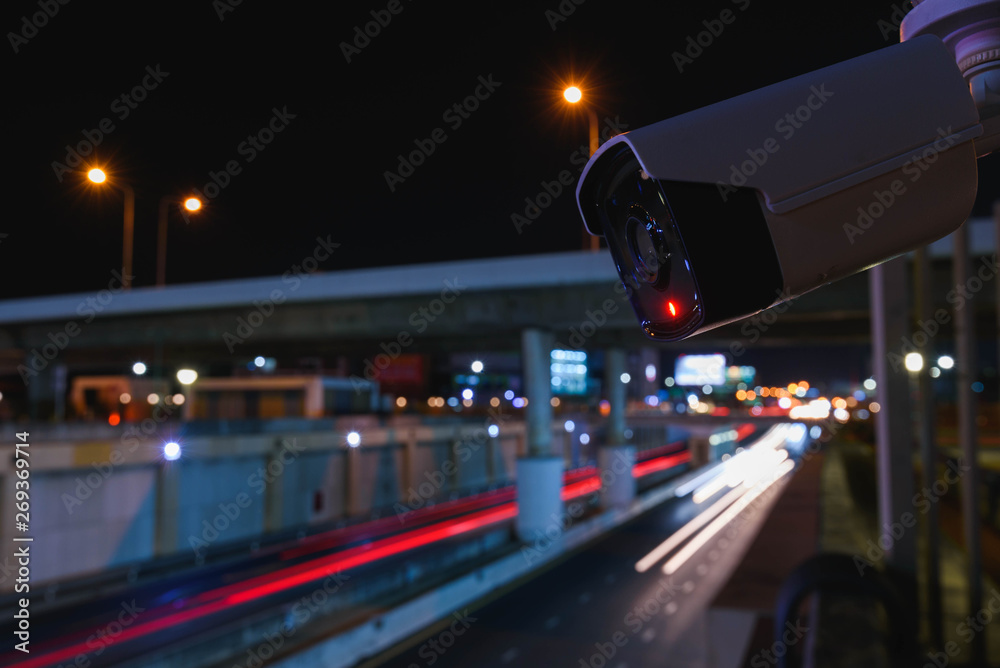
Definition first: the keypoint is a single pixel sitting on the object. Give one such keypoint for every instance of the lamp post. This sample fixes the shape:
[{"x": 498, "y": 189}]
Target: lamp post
[
  {"x": 574, "y": 95},
  {"x": 98, "y": 176},
  {"x": 191, "y": 204}
]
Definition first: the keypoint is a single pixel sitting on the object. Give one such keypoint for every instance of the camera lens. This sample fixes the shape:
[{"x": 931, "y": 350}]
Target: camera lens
[{"x": 648, "y": 250}]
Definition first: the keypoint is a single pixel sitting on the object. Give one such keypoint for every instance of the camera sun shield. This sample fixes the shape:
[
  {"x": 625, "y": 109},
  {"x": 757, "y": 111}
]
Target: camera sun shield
[{"x": 661, "y": 238}]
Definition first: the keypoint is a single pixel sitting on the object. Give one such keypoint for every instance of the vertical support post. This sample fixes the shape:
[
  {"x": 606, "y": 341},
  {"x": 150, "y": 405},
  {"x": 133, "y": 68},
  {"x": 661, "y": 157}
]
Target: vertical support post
[
  {"x": 928, "y": 447},
  {"x": 539, "y": 475},
  {"x": 352, "y": 487},
  {"x": 409, "y": 463},
  {"x": 536, "y": 349},
  {"x": 167, "y": 508},
  {"x": 615, "y": 457},
  {"x": 893, "y": 442},
  {"x": 274, "y": 491},
  {"x": 965, "y": 352},
  {"x": 614, "y": 367}
]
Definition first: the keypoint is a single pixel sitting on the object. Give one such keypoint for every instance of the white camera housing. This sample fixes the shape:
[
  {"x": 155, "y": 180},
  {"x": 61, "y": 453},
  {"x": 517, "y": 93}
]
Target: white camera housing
[{"x": 724, "y": 211}]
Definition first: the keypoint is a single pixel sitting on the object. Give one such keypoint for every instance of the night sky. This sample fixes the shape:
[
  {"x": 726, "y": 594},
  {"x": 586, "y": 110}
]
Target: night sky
[{"x": 226, "y": 73}]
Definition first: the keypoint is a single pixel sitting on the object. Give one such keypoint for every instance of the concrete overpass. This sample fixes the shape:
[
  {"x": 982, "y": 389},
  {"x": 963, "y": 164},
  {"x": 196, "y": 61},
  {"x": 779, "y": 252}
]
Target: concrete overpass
[{"x": 334, "y": 320}]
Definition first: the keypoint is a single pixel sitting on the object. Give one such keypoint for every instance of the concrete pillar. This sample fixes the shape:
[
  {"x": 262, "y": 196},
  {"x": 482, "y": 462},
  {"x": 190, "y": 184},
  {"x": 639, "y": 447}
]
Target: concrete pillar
[
  {"x": 274, "y": 491},
  {"x": 617, "y": 482},
  {"x": 168, "y": 476},
  {"x": 614, "y": 367},
  {"x": 539, "y": 475},
  {"x": 539, "y": 495},
  {"x": 536, "y": 348}
]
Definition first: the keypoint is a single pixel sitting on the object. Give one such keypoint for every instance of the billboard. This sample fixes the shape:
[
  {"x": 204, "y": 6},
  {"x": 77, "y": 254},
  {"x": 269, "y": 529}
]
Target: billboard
[{"x": 699, "y": 370}]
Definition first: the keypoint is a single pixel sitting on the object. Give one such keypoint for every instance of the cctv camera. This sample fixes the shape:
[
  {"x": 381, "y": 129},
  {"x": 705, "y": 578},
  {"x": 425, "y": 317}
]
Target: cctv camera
[{"x": 719, "y": 213}]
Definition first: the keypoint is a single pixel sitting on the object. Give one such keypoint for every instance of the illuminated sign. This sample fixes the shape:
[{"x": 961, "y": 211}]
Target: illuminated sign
[
  {"x": 568, "y": 369},
  {"x": 698, "y": 370}
]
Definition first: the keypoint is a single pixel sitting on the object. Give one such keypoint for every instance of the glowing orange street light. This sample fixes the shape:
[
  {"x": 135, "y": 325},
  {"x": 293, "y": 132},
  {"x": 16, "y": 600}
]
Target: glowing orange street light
[
  {"x": 574, "y": 95},
  {"x": 97, "y": 175},
  {"x": 191, "y": 204}
]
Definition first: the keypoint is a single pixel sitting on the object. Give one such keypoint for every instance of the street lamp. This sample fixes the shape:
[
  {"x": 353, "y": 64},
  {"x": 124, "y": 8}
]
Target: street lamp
[
  {"x": 97, "y": 175},
  {"x": 191, "y": 204},
  {"x": 574, "y": 95}
]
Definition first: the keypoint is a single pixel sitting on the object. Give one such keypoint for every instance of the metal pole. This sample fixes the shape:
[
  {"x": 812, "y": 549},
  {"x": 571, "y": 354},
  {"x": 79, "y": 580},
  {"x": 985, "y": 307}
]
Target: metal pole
[
  {"x": 967, "y": 405},
  {"x": 928, "y": 446},
  {"x": 161, "y": 243},
  {"x": 595, "y": 143},
  {"x": 127, "y": 235},
  {"x": 894, "y": 443}
]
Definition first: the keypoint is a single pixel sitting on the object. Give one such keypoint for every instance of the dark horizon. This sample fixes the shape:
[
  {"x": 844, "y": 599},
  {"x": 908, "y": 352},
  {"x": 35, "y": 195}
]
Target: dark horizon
[{"x": 216, "y": 84}]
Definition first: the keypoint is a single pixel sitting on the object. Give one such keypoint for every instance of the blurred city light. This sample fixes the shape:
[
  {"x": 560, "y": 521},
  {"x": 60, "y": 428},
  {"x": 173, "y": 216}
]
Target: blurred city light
[
  {"x": 573, "y": 94},
  {"x": 187, "y": 376},
  {"x": 946, "y": 362},
  {"x": 171, "y": 451},
  {"x": 914, "y": 362},
  {"x": 354, "y": 439},
  {"x": 138, "y": 368}
]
